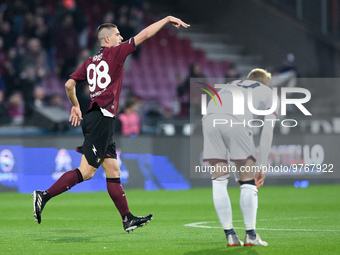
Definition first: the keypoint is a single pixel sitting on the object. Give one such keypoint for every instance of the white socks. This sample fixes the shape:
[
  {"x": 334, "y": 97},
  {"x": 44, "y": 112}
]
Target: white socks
[
  {"x": 248, "y": 204},
  {"x": 222, "y": 201}
]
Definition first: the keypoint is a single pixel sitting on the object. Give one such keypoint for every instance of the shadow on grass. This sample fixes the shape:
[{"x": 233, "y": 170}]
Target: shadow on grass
[
  {"x": 227, "y": 250},
  {"x": 70, "y": 236}
]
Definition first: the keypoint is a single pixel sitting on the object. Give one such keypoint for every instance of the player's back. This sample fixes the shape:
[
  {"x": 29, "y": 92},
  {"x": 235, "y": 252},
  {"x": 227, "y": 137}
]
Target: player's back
[
  {"x": 103, "y": 68},
  {"x": 104, "y": 74},
  {"x": 233, "y": 93}
]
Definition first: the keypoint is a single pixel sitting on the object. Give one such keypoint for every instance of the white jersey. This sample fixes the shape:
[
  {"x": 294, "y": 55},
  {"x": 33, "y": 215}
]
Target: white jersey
[
  {"x": 237, "y": 135},
  {"x": 261, "y": 96}
]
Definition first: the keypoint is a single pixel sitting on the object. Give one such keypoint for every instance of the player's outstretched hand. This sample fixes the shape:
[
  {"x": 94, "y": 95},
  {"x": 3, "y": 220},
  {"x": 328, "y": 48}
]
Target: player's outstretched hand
[
  {"x": 177, "y": 22},
  {"x": 259, "y": 178},
  {"x": 75, "y": 116}
]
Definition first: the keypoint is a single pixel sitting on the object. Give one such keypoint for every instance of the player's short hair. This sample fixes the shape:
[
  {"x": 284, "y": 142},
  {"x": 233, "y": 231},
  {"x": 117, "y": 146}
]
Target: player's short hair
[
  {"x": 260, "y": 75},
  {"x": 103, "y": 27}
]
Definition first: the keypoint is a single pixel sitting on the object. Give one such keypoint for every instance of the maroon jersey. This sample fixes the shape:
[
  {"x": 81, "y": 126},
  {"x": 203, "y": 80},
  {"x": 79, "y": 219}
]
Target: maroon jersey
[{"x": 104, "y": 74}]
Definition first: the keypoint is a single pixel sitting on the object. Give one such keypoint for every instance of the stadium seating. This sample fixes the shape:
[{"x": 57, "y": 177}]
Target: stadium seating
[{"x": 163, "y": 63}]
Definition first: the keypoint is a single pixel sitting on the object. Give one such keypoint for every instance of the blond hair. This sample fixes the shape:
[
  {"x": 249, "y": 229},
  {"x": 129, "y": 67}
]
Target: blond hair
[{"x": 260, "y": 75}]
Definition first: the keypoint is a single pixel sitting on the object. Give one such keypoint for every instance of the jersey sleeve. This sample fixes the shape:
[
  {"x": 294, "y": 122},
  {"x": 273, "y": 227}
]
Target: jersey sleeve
[
  {"x": 268, "y": 127},
  {"x": 125, "y": 49},
  {"x": 80, "y": 74},
  {"x": 269, "y": 98},
  {"x": 266, "y": 139}
]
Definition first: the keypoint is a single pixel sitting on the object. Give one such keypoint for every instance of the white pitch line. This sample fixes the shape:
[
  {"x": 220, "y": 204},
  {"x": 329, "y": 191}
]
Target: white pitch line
[
  {"x": 203, "y": 225},
  {"x": 198, "y": 224},
  {"x": 297, "y": 230}
]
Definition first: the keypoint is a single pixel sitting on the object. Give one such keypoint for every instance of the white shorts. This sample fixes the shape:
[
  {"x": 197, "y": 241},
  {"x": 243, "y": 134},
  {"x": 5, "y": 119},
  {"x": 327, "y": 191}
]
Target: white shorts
[{"x": 224, "y": 142}]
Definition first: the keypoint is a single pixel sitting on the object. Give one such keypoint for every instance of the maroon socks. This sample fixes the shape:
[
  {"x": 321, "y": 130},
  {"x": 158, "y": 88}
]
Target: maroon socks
[
  {"x": 73, "y": 177},
  {"x": 117, "y": 195},
  {"x": 65, "y": 182}
]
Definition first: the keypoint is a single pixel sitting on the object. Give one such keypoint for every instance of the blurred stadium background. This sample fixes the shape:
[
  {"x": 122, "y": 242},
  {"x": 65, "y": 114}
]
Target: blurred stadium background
[{"x": 42, "y": 42}]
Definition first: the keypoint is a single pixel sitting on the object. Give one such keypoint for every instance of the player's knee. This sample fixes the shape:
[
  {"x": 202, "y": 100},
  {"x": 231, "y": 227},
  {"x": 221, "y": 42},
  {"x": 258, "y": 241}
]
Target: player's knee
[{"x": 116, "y": 172}]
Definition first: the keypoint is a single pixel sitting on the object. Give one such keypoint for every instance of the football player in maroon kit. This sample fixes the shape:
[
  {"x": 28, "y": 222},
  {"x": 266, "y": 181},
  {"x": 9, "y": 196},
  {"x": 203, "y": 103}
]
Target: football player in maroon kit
[{"x": 104, "y": 74}]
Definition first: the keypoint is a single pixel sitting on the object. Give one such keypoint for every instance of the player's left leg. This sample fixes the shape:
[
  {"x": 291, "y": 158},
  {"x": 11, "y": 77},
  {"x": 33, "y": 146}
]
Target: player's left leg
[
  {"x": 249, "y": 202},
  {"x": 117, "y": 194}
]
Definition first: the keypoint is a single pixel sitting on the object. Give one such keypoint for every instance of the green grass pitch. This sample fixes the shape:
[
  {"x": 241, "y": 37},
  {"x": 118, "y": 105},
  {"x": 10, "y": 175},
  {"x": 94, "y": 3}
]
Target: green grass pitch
[{"x": 292, "y": 221}]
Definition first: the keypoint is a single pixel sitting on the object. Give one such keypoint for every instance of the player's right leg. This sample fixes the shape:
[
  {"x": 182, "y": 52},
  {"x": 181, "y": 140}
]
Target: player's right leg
[
  {"x": 65, "y": 182},
  {"x": 249, "y": 202},
  {"x": 215, "y": 151},
  {"x": 242, "y": 153}
]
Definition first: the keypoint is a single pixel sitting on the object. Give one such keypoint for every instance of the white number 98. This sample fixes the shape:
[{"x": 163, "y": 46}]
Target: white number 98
[{"x": 98, "y": 75}]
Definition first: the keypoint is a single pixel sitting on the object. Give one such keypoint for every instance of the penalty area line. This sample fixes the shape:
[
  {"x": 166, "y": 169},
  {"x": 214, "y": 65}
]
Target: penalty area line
[{"x": 204, "y": 224}]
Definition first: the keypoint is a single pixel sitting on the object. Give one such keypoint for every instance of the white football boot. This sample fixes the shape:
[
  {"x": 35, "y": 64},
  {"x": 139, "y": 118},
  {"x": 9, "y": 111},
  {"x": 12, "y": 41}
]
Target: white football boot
[{"x": 256, "y": 242}]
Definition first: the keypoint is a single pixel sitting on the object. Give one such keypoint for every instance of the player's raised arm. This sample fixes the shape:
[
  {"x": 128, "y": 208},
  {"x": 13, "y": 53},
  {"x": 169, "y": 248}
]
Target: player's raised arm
[
  {"x": 151, "y": 30},
  {"x": 75, "y": 116}
]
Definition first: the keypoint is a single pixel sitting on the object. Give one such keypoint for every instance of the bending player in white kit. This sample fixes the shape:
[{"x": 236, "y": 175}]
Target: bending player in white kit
[{"x": 234, "y": 140}]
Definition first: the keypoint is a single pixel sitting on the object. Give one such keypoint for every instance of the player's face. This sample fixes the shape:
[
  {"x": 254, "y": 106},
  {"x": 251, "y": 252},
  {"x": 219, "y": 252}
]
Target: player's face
[{"x": 116, "y": 38}]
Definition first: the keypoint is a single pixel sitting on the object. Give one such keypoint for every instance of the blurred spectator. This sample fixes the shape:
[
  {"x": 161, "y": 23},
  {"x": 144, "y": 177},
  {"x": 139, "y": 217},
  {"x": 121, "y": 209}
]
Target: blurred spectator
[
  {"x": 39, "y": 97},
  {"x": 40, "y": 44},
  {"x": 125, "y": 28},
  {"x": 70, "y": 7},
  {"x": 67, "y": 47},
  {"x": 16, "y": 109},
  {"x": 232, "y": 72},
  {"x": 123, "y": 11},
  {"x": 14, "y": 59},
  {"x": 56, "y": 100},
  {"x": 4, "y": 118},
  {"x": 29, "y": 80},
  {"x": 183, "y": 90},
  {"x": 289, "y": 64},
  {"x": 84, "y": 54},
  {"x": 287, "y": 73},
  {"x": 43, "y": 32},
  {"x": 7, "y": 34},
  {"x": 36, "y": 57},
  {"x": 20, "y": 46},
  {"x": 109, "y": 17},
  {"x": 136, "y": 19},
  {"x": 2, "y": 56},
  {"x": 10, "y": 73},
  {"x": 2, "y": 84},
  {"x": 129, "y": 122},
  {"x": 15, "y": 14},
  {"x": 52, "y": 84},
  {"x": 126, "y": 32}
]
